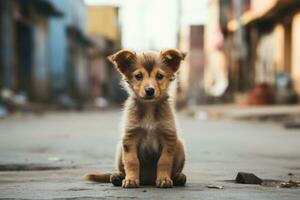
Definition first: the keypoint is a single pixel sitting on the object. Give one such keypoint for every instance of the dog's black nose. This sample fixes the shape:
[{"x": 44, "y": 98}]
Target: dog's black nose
[{"x": 149, "y": 91}]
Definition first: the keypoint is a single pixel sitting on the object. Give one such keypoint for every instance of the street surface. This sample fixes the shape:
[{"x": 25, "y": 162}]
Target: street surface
[{"x": 45, "y": 157}]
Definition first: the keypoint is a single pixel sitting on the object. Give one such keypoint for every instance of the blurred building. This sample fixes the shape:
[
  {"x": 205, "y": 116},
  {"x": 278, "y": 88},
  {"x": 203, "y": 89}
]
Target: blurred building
[
  {"x": 68, "y": 50},
  {"x": 191, "y": 77},
  {"x": 216, "y": 80},
  {"x": 45, "y": 49},
  {"x": 234, "y": 44},
  {"x": 104, "y": 28},
  {"x": 24, "y": 46},
  {"x": 251, "y": 48},
  {"x": 191, "y": 40},
  {"x": 246, "y": 51}
]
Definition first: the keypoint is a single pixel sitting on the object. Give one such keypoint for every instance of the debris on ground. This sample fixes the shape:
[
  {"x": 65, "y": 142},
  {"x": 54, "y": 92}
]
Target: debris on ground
[
  {"x": 54, "y": 158},
  {"x": 292, "y": 125},
  {"x": 215, "y": 186},
  {"x": 247, "y": 178},
  {"x": 65, "y": 101},
  {"x": 11, "y": 101},
  {"x": 207, "y": 115},
  {"x": 3, "y": 112},
  {"x": 101, "y": 102},
  {"x": 290, "y": 184},
  {"x": 21, "y": 99},
  {"x": 7, "y": 94},
  {"x": 261, "y": 95},
  {"x": 285, "y": 90},
  {"x": 271, "y": 183}
]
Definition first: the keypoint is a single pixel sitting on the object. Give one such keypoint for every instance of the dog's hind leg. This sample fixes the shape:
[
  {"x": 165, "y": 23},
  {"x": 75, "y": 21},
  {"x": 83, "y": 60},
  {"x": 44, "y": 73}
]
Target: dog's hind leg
[
  {"x": 117, "y": 177},
  {"x": 178, "y": 178}
]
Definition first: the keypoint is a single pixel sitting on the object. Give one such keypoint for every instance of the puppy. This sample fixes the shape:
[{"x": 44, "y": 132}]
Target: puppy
[{"x": 150, "y": 152}]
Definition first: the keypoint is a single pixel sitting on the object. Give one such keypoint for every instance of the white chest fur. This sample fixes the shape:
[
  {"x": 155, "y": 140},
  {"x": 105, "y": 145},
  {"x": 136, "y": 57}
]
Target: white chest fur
[
  {"x": 148, "y": 122},
  {"x": 150, "y": 140}
]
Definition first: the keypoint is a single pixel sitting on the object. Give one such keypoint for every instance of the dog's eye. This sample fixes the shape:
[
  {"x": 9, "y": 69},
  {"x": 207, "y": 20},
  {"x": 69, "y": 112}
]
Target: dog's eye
[
  {"x": 159, "y": 76},
  {"x": 138, "y": 77}
]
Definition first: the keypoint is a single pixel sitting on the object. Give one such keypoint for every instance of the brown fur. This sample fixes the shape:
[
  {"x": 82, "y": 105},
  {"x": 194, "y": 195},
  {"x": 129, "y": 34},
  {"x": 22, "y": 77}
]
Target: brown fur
[{"x": 150, "y": 152}]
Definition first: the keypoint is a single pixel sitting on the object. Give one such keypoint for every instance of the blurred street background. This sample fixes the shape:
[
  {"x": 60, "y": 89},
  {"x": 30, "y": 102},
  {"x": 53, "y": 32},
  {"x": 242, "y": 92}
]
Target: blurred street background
[
  {"x": 239, "y": 52},
  {"x": 238, "y": 94}
]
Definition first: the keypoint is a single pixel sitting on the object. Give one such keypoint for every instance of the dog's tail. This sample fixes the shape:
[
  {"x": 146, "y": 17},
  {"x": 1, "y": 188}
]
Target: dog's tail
[{"x": 98, "y": 177}]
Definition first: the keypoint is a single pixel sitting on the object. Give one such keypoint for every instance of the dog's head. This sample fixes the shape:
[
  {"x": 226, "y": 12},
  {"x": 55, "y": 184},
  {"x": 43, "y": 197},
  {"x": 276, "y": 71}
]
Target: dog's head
[{"x": 148, "y": 74}]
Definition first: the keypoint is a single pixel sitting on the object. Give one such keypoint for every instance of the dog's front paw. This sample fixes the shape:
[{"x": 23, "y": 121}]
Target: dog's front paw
[
  {"x": 130, "y": 183},
  {"x": 164, "y": 182}
]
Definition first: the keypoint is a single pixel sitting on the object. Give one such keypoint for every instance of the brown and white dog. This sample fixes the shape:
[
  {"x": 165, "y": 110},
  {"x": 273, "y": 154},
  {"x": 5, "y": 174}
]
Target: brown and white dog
[{"x": 150, "y": 152}]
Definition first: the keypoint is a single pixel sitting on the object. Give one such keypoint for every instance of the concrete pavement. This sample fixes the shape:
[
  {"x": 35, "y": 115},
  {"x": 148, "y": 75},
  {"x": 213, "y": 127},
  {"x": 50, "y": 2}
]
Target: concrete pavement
[{"x": 45, "y": 156}]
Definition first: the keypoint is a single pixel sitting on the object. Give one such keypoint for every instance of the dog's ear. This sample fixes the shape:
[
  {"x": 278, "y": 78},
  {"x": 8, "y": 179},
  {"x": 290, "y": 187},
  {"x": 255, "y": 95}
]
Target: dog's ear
[
  {"x": 172, "y": 58},
  {"x": 124, "y": 60}
]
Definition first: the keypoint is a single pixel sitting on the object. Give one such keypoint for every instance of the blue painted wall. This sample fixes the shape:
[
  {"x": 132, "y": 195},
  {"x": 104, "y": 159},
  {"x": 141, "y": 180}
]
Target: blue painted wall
[
  {"x": 58, "y": 49},
  {"x": 74, "y": 15}
]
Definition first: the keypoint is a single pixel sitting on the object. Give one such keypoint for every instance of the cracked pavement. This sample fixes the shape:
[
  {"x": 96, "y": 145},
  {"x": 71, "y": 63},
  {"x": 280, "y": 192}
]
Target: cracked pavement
[{"x": 45, "y": 157}]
